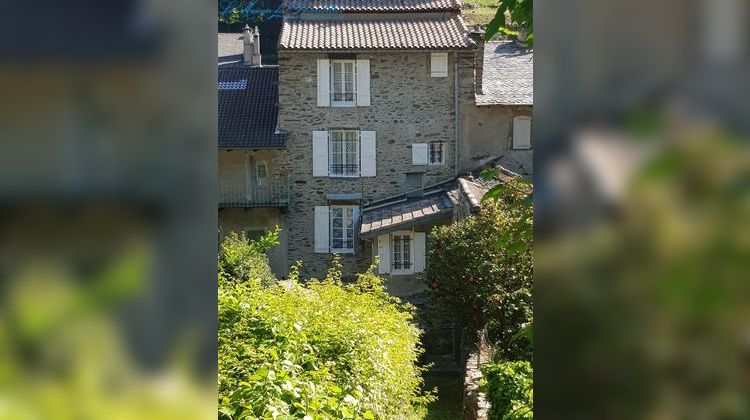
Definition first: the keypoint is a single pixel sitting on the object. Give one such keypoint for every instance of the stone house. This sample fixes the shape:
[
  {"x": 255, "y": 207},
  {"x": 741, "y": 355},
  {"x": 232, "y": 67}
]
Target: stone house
[
  {"x": 254, "y": 188},
  {"x": 382, "y": 105}
]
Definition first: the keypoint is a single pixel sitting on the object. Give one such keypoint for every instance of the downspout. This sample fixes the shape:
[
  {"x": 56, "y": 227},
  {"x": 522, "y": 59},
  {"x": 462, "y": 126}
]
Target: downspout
[{"x": 455, "y": 109}]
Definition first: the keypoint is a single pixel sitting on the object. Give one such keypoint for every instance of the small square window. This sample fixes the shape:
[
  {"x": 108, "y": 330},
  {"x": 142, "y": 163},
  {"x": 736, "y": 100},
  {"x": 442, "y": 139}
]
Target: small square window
[
  {"x": 439, "y": 64},
  {"x": 437, "y": 153},
  {"x": 254, "y": 234}
]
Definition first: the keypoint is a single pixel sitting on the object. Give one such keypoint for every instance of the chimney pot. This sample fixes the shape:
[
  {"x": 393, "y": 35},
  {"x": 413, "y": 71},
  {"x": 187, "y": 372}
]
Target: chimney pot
[{"x": 251, "y": 51}]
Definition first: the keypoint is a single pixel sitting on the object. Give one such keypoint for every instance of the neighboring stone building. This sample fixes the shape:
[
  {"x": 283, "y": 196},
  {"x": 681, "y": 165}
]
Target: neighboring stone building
[
  {"x": 254, "y": 190},
  {"x": 499, "y": 126},
  {"x": 381, "y": 106}
]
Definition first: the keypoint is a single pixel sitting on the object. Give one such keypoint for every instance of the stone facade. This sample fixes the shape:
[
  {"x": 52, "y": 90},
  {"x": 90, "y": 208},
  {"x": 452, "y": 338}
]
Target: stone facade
[
  {"x": 407, "y": 106},
  {"x": 487, "y": 132}
]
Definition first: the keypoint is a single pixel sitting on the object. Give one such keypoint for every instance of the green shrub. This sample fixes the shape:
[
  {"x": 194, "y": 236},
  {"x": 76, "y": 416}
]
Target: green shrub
[
  {"x": 323, "y": 350},
  {"x": 246, "y": 261},
  {"x": 481, "y": 268},
  {"x": 509, "y": 390}
]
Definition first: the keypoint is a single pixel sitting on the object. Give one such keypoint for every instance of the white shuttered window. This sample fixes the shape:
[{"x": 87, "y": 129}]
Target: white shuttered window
[
  {"x": 401, "y": 253},
  {"x": 343, "y": 82},
  {"x": 343, "y": 154},
  {"x": 342, "y": 229}
]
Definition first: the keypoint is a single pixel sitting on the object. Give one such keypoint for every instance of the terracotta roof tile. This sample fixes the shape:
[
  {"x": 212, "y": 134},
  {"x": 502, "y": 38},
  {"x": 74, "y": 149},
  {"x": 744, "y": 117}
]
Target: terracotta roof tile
[
  {"x": 392, "y": 34},
  {"x": 364, "y": 6}
]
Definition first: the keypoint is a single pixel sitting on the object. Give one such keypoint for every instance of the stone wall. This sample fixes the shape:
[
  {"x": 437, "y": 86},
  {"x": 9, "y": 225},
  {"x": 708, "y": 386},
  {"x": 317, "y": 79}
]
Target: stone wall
[
  {"x": 487, "y": 132},
  {"x": 475, "y": 405},
  {"x": 407, "y": 106}
]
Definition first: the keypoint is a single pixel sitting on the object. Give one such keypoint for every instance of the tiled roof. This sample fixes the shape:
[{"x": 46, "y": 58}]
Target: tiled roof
[
  {"x": 508, "y": 77},
  {"x": 230, "y": 48},
  {"x": 366, "y": 6},
  {"x": 248, "y": 107},
  {"x": 393, "y": 34},
  {"x": 389, "y": 217}
]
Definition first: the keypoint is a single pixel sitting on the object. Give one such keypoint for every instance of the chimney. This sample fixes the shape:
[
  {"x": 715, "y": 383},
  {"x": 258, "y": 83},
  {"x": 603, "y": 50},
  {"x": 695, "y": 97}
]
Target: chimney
[
  {"x": 251, "y": 52},
  {"x": 477, "y": 34}
]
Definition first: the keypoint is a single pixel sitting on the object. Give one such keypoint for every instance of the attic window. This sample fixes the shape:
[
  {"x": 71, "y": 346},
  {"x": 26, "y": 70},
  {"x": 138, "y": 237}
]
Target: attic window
[{"x": 233, "y": 85}]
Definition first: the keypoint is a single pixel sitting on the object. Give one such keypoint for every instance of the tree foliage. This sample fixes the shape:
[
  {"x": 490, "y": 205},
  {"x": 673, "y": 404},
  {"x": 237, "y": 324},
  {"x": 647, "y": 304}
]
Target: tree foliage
[
  {"x": 481, "y": 268},
  {"x": 521, "y": 14},
  {"x": 317, "y": 350}
]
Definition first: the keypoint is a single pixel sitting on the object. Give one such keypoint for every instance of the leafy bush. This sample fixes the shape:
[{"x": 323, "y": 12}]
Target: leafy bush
[
  {"x": 481, "y": 268},
  {"x": 319, "y": 350},
  {"x": 246, "y": 261},
  {"x": 509, "y": 390}
]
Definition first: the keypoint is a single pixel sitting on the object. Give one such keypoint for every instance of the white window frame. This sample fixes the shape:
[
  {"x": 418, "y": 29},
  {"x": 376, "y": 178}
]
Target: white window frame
[
  {"x": 353, "y": 102},
  {"x": 442, "y": 153},
  {"x": 344, "y": 161},
  {"x": 391, "y": 250},
  {"x": 258, "y": 165},
  {"x": 344, "y": 236}
]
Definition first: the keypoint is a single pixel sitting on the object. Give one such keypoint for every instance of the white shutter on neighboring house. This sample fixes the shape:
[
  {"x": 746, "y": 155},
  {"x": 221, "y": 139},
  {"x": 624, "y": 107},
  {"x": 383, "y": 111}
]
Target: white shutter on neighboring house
[
  {"x": 320, "y": 153},
  {"x": 324, "y": 83},
  {"x": 363, "y": 82},
  {"x": 522, "y": 132},
  {"x": 419, "y": 154},
  {"x": 321, "y": 229},
  {"x": 384, "y": 252},
  {"x": 368, "y": 156},
  {"x": 439, "y": 65},
  {"x": 419, "y": 252}
]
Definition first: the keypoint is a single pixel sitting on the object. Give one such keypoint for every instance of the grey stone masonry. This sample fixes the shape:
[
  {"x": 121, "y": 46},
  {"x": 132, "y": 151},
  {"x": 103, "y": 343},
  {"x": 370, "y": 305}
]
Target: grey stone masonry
[{"x": 407, "y": 106}]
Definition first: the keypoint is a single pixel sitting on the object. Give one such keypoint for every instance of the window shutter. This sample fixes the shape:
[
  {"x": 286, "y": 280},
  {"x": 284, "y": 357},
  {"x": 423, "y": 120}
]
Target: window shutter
[
  {"x": 363, "y": 82},
  {"x": 355, "y": 225},
  {"x": 320, "y": 153},
  {"x": 522, "y": 133},
  {"x": 368, "y": 156},
  {"x": 321, "y": 229},
  {"x": 439, "y": 64},
  {"x": 324, "y": 83},
  {"x": 420, "y": 154},
  {"x": 384, "y": 252},
  {"x": 419, "y": 251}
]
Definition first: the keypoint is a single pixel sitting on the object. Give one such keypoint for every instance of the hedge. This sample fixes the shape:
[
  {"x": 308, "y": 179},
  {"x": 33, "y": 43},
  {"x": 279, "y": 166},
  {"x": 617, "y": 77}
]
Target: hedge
[
  {"x": 509, "y": 390},
  {"x": 317, "y": 350}
]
